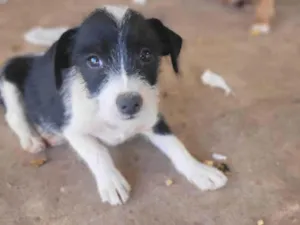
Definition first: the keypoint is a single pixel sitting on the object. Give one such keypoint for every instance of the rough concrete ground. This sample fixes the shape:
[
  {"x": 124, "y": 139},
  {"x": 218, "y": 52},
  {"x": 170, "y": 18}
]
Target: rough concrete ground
[{"x": 258, "y": 129}]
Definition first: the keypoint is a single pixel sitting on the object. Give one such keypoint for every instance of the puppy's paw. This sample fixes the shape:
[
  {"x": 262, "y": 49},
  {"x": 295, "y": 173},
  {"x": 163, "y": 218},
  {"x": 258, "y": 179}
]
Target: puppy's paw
[
  {"x": 113, "y": 188},
  {"x": 33, "y": 144},
  {"x": 205, "y": 177},
  {"x": 258, "y": 29}
]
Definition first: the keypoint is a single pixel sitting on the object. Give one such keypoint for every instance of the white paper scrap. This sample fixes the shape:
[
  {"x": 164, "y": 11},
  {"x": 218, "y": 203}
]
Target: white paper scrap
[
  {"x": 141, "y": 2},
  {"x": 44, "y": 36},
  {"x": 214, "y": 80},
  {"x": 219, "y": 157}
]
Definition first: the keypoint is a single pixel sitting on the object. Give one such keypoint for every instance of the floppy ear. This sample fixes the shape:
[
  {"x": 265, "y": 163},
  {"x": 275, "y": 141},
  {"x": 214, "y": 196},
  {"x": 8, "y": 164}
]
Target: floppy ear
[
  {"x": 171, "y": 42},
  {"x": 62, "y": 54}
]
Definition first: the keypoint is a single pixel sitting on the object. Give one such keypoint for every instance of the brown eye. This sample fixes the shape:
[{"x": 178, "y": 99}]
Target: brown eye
[
  {"x": 94, "y": 61},
  {"x": 146, "y": 55}
]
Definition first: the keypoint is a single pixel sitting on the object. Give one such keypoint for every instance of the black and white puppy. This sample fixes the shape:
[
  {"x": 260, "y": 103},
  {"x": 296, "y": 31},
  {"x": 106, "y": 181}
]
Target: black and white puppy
[{"x": 95, "y": 87}]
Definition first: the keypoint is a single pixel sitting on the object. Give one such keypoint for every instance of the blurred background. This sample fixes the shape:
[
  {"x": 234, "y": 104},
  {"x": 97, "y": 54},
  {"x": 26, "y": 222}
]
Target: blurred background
[{"x": 257, "y": 128}]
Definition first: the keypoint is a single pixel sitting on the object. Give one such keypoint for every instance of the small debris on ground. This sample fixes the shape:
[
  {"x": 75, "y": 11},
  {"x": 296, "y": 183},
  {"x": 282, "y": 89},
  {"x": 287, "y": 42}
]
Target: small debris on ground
[
  {"x": 214, "y": 80},
  {"x": 260, "y": 222},
  {"x": 260, "y": 29},
  {"x": 209, "y": 162},
  {"x": 9, "y": 185},
  {"x": 219, "y": 157},
  {"x": 220, "y": 166},
  {"x": 141, "y": 2},
  {"x": 164, "y": 94},
  {"x": 15, "y": 48},
  {"x": 223, "y": 167},
  {"x": 38, "y": 162},
  {"x": 62, "y": 190},
  {"x": 169, "y": 182}
]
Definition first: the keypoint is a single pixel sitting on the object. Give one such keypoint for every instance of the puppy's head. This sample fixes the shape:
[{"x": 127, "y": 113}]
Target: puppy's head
[{"x": 117, "y": 53}]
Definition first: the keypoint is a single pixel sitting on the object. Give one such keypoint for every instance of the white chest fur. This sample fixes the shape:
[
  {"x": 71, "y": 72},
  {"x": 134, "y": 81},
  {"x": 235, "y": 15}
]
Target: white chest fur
[
  {"x": 97, "y": 118},
  {"x": 114, "y": 135}
]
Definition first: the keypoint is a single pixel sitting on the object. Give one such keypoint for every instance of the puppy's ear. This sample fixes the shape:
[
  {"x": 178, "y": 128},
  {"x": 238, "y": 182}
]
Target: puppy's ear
[
  {"x": 171, "y": 42},
  {"x": 62, "y": 54}
]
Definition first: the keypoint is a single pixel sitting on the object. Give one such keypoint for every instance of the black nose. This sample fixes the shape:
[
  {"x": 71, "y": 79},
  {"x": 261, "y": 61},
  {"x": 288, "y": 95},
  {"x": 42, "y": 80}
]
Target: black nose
[{"x": 129, "y": 103}]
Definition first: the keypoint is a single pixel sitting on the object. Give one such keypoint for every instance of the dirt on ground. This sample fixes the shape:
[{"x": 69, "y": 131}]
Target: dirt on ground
[{"x": 257, "y": 128}]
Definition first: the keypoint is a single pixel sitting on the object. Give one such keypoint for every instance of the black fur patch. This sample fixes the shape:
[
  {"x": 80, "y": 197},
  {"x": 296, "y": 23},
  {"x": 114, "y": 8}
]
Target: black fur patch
[
  {"x": 118, "y": 45},
  {"x": 34, "y": 77},
  {"x": 17, "y": 69},
  {"x": 161, "y": 127},
  {"x": 241, "y": 3},
  {"x": 170, "y": 41}
]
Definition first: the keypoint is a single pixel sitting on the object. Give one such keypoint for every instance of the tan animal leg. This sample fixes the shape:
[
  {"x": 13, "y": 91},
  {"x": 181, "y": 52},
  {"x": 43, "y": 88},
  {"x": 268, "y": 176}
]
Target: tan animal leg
[{"x": 265, "y": 10}]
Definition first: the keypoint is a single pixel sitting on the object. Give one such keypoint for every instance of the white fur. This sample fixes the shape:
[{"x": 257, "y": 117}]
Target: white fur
[
  {"x": 17, "y": 121},
  {"x": 203, "y": 176},
  {"x": 112, "y": 186},
  {"x": 118, "y": 12},
  {"x": 97, "y": 117}
]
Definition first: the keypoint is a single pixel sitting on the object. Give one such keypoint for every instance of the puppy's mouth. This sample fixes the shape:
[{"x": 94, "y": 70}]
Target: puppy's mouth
[{"x": 129, "y": 117}]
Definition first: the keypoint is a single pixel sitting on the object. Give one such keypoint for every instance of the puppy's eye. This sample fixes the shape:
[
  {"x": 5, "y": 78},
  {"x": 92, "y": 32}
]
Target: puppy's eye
[
  {"x": 146, "y": 55},
  {"x": 94, "y": 61}
]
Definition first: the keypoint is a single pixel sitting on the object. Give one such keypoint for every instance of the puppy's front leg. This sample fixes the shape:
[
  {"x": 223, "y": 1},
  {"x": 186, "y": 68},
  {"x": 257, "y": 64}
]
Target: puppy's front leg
[
  {"x": 203, "y": 176},
  {"x": 112, "y": 186}
]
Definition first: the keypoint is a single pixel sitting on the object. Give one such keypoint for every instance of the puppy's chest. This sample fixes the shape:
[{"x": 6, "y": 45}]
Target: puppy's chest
[{"x": 114, "y": 135}]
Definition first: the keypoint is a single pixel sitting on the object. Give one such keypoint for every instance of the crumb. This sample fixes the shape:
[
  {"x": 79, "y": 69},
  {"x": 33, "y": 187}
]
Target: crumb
[
  {"x": 255, "y": 32},
  {"x": 209, "y": 162},
  {"x": 37, "y": 219},
  {"x": 260, "y": 222},
  {"x": 9, "y": 185},
  {"x": 62, "y": 190},
  {"x": 164, "y": 94},
  {"x": 169, "y": 182},
  {"x": 38, "y": 162},
  {"x": 15, "y": 48},
  {"x": 223, "y": 167}
]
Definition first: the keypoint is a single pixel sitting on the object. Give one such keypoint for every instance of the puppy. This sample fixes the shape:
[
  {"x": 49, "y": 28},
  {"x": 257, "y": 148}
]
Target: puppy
[
  {"x": 264, "y": 13},
  {"x": 96, "y": 86}
]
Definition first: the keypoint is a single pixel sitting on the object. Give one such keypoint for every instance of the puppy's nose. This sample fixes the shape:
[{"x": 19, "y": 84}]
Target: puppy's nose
[{"x": 129, "y": 103}]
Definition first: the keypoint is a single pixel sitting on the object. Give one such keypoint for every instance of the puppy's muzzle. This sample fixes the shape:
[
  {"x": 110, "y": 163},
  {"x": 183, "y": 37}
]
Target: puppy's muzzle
[{"x": 129, "y": 103}]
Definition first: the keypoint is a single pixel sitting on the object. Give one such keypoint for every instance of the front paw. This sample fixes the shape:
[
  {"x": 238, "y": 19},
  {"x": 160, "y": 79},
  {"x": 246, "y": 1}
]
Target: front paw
[
  {"x": 113, "y": 188},
  {"x": 205, "y": 177},
  {"x": 33, "y": 144}
]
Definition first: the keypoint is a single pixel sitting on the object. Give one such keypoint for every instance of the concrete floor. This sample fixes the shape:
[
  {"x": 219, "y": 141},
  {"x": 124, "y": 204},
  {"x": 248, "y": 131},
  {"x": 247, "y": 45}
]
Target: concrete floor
[{"x": 258, "y": 129}]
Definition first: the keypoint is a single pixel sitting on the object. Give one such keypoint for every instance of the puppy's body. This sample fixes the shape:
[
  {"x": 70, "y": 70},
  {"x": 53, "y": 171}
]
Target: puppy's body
[
  {"x": 98, "y": 84},
  {"x": 33, "y": 76}
]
